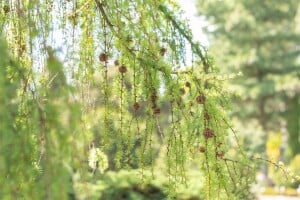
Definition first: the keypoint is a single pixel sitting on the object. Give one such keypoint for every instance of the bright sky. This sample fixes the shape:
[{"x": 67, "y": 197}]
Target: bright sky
[{"x": 196, "y": 23}]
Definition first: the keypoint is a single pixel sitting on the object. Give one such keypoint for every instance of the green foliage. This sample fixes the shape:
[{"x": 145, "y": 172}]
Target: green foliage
[
  {"x": 127, "y": 185},
  {"x": 293, "y": 169},
  {"x": 254, "y": 41},
  {"x": 16, "y": 142},
  {"x": 97, "y": 78},
  {"x": 259, "y": 39},
  {"x": 293, "y": 126}
]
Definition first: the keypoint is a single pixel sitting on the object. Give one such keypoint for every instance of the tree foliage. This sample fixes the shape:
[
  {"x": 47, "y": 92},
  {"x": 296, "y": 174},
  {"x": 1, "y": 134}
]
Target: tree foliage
[
  {"x": 85, "y": 79},
  {"x": 261, "y": 40}
]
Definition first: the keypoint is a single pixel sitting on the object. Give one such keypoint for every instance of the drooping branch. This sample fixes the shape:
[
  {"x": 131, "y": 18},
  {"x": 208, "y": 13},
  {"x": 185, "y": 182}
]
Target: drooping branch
[
  {"x": 271, "y": 163},
  {"x": 195, "y": 46},
  {"x": 103, "y": 13},
  {"x": 101, "y": 9}
]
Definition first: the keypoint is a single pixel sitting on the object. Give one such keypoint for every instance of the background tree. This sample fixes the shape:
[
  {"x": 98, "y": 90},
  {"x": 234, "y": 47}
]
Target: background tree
[{"x": 260, "y": 39}]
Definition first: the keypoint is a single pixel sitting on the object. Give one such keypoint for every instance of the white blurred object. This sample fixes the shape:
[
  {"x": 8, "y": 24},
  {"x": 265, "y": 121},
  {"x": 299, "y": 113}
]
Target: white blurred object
[
  {"x": 97, "y": 160},
  {"x": 260, "y": 177},
  {"x": 281, "y": 189},
  {"x": 298, "y": 190}
]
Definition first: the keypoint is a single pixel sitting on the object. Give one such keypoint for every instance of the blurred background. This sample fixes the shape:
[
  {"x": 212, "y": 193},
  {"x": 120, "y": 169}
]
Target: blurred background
[{"x": 260, "y": 40}]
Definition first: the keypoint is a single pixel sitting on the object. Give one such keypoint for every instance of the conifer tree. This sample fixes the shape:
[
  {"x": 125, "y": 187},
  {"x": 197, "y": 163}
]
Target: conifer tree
[{"x": 260, "y": 39}]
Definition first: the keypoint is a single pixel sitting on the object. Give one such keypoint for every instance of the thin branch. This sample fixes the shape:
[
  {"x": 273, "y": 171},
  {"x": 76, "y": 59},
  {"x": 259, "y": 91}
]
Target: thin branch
[
  {"x": 103, "y": 13},
  {"x": 236, "y": 161},
  {"x": 286, "y": 173},
  {"x": 235, "y": 136},
  {"x": 195, "y": 46}
]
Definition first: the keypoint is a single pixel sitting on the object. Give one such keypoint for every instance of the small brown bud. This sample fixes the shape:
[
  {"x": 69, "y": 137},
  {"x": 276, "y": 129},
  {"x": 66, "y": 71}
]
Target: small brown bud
[
  {"x": 122, "y": 69},
  {"x": 201, "y": 149},
  {"x": 103, "y": 57},
  {"x": 136, "y": 106},
  {"x": 206, "y": 116},
  {"x": 117, "y": 62},
  {"x": 219, "y": 144},
  {"x": 200, "y": 99},
  {"x": 188, "y": 84},
  {"x": 220, "y": 154},
  {"x": 156, "y": 110},
  {"x": 163, "y": 51},
  {"x": 208, "y": 133},
  {"x": 182, "y": 91}
]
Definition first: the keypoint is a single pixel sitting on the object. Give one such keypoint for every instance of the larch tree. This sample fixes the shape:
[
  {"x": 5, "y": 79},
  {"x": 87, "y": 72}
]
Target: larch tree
[{"x": 80, "y": 80}]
